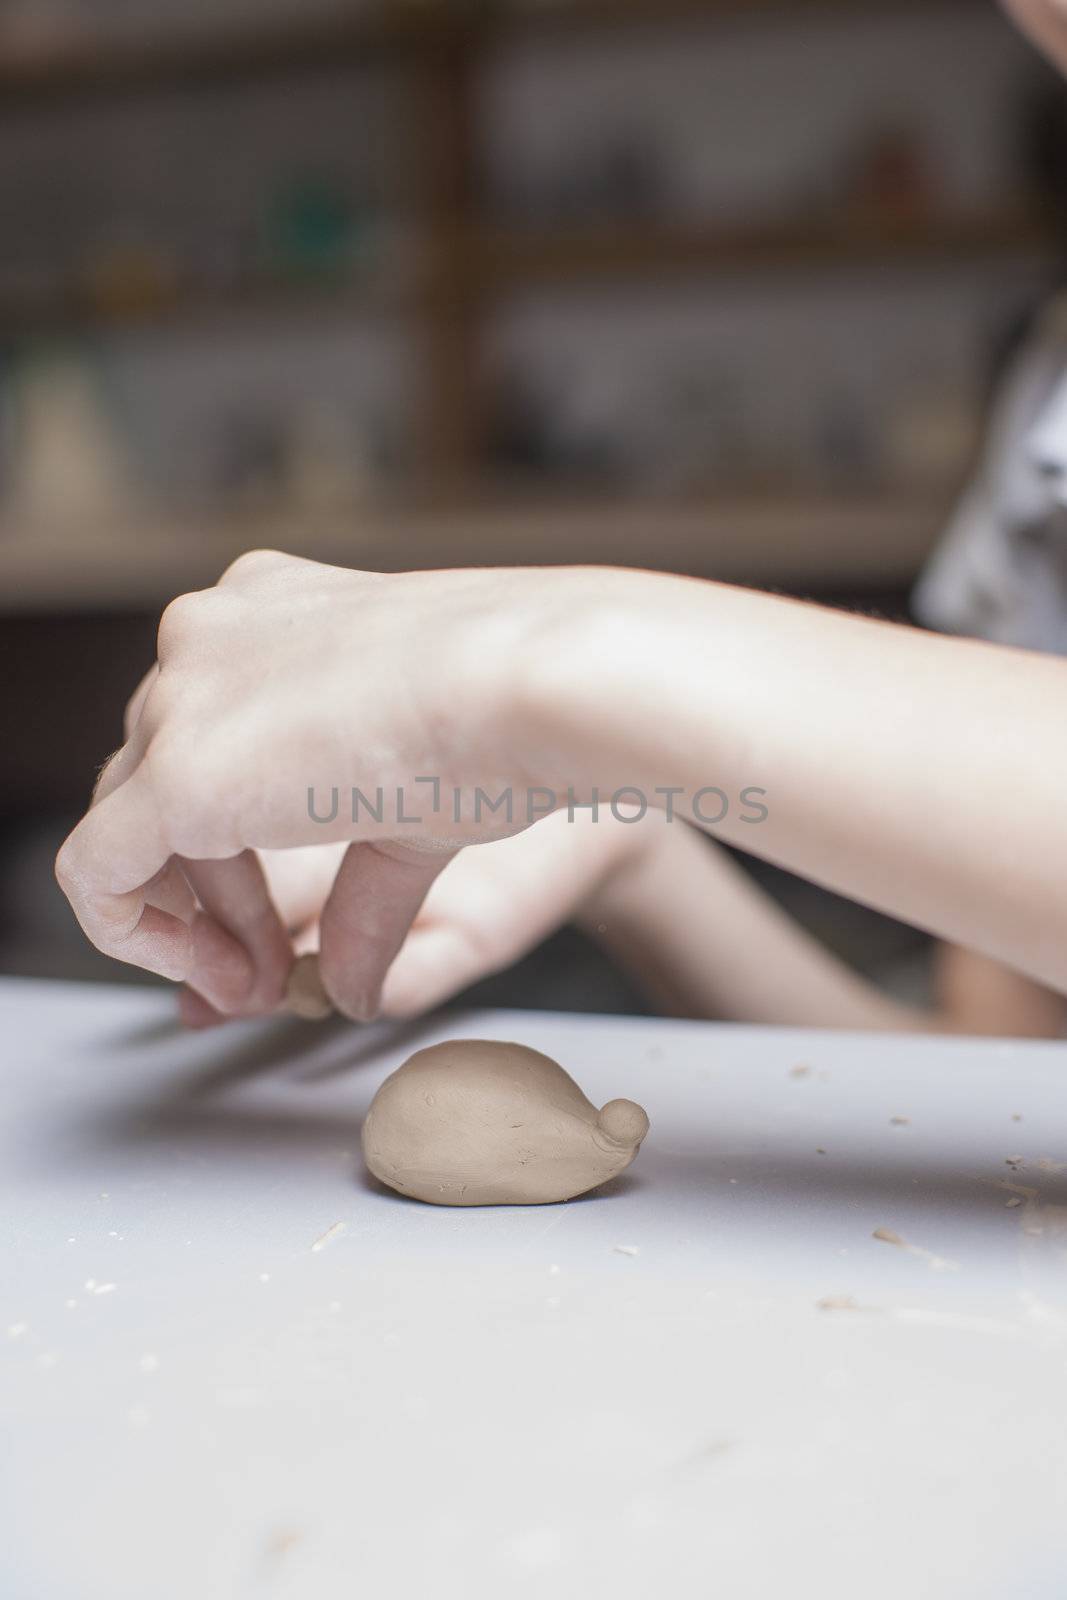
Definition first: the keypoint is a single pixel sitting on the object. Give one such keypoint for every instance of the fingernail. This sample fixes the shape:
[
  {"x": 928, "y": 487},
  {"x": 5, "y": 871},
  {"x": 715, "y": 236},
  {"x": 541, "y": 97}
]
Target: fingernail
[{"x": 359, "y": 1005}]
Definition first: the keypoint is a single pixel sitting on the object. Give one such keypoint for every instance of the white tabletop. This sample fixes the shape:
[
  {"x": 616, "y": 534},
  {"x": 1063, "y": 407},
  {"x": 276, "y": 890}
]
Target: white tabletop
[{"x": 712, "y": 1379}]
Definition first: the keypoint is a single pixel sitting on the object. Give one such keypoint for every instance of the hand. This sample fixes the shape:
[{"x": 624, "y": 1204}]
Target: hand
[
  {"x": 290, "y": 678},
  {"x": 299, "y": 882},
  {"x": 488, "y": 908}
]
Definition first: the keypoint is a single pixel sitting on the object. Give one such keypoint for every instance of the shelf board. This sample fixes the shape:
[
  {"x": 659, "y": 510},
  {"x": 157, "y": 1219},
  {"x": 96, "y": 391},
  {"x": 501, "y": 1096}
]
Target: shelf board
[
  {"x": 519, "y": 256},
  {"x": 73, "y": 314},
  {"x": 571, "y": 16},
  {"x": 805, "y": 542},
  {"x": 497, "y": 260},
  {"x": 81, "y": 66}
]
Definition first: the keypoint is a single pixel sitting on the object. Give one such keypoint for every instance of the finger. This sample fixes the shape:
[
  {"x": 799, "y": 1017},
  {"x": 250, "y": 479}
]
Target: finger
[
  {"x": 169, "y": 891},
  {"x": 110, "y": 868},
  {"x": 376, "y": 894},
  {"x": 307, "y": 940},
  {"x": 299, "y": 880},
  {"x": 234, "y": 894},
  {"x": 222, "y": 970},
  {"x": 105, "y": 867},
  {"x": 435, "y": 964},
  {"x": 494, "y": 904},
  {"x": 195, "y": 1012}
]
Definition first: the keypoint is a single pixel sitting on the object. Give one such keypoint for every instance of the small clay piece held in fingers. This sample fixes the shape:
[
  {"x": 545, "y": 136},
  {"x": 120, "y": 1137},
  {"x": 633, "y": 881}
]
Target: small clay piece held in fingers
[
  {"x": 304, "y": 994},
  {"x": 477, "y": 1123}
]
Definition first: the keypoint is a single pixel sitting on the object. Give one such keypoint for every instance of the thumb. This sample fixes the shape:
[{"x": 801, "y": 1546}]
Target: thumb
[{"x": 374, "y": 900}]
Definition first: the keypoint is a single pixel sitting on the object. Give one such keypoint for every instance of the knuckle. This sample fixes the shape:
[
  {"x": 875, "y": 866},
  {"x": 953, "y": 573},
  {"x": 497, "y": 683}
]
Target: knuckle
[
  {"x": 158, "y": 707},
  {"x": 253, "y": 564},
  {"x": 177, "y": 622},
  {"x": 64, "y": 867}
]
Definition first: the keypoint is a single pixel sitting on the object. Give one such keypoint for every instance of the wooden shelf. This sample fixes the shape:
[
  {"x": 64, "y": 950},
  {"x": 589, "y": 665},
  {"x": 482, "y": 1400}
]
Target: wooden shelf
[
  {"x": 657, "y": 251},
  {"x": 461, "y": 260},
  {"x": 812, "y": 542},
  {"x": 73, "y": 314},
  {"x": 85, "y": 67},
  {"x": 499, "y": 260},
  {"x": 575, "y": 16},
  {"x": 82, "y": 66}
]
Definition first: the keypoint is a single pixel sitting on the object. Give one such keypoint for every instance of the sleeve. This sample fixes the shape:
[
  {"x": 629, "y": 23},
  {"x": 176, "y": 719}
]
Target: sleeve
[{"x": 1000, "y": 569}]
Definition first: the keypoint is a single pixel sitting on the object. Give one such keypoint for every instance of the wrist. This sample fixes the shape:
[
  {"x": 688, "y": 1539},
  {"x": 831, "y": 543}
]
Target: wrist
[{"x": 619, "y": 684}]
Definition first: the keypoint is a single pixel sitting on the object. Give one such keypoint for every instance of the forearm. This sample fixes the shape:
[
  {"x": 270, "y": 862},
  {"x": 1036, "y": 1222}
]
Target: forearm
[
  {"x": 976, "y": 995},
  {"x": 921, "y": 775},
  {"x": 702, "y": 940}
]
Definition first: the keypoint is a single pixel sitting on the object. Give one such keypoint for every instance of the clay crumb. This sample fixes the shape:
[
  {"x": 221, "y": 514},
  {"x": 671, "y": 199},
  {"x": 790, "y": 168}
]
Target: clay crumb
[
  {"x": 888, "y": 1236},
  {"x": 334, "y": 1231},
  {"x": 1014, "y": 1161},
  {"x": 899, "y": 1122},
  {"x": 626, "y": 1249},
  {"x": 819, "y": 1151},
  {"x": 279, "y": 1542},
  {"x": 1016, "y": 1200},
  {"x": 934, "y": 1262},
  {"x": 801, "y": 1071},
  {"x": 838, "y": 1302},
  {"x": 1047, "y": 1164},
  {"x": 1016, "y": 1116},
  {"x": 1023, "y": 1190}
]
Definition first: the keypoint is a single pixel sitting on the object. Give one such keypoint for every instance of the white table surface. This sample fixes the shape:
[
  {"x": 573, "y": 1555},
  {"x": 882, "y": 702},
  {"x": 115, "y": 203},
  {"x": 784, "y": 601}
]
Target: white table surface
[{"x": 496, "y": 1402}]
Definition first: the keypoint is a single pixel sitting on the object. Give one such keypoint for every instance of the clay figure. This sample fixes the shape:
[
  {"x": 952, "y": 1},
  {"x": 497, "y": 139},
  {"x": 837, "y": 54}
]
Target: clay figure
[{"x": 477, "y": 1123}]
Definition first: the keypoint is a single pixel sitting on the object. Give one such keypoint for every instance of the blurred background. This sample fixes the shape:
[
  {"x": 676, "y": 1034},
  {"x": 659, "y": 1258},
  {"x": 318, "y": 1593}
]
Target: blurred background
[{"x": 717, "y": 286}]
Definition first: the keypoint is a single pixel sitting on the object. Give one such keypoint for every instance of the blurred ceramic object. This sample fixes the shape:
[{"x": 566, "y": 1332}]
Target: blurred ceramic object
[{"x": 68, "y": 467}]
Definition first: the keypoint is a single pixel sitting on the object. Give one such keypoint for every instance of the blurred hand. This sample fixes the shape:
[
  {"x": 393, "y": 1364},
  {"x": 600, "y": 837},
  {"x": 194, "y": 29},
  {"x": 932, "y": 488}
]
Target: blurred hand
[
  {"x": 1046, "y": 23},
  {"x": 493, "y": 905}
]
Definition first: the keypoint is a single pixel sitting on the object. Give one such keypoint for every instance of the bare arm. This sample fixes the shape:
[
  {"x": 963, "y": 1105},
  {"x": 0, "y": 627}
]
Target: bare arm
[
  {"x": 702, "y": 940},
  {"x": 976, "y": 995},
  {"x": 920, "y": 774}
]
